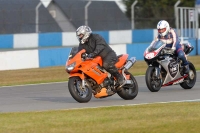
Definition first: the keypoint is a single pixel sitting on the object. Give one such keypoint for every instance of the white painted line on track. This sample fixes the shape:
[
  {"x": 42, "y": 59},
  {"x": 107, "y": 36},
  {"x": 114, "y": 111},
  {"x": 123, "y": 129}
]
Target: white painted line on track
[
  {"x": 194, "y": 100},
  {"x": 34, "y": 84}
]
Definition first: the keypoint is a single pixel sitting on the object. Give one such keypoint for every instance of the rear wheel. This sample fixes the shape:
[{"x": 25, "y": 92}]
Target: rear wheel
[
  {"x": 152, "y": 81},
  {"x": 191, "y": 79},
  {"x": 80, "y": 94},
  {"x": 129, "y": 91}
]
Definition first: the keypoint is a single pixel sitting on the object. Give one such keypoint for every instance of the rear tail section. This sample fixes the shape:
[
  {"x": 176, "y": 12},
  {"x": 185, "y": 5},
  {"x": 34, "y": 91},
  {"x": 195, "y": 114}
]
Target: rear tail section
[{"x": 122, "y": 60}]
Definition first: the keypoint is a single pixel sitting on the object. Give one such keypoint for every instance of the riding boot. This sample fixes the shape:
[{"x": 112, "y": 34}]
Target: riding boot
[
  {"x": 120, "y": 80},
  {"x": 186, "y": 69}
]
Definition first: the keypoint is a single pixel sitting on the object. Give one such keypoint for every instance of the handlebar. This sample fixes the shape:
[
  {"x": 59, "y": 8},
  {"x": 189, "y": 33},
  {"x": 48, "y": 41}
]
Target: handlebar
[
  {"x": 88, "y": 58},
  {"x": 85, "y": 57},
  {"x": 167, "y": 50}
]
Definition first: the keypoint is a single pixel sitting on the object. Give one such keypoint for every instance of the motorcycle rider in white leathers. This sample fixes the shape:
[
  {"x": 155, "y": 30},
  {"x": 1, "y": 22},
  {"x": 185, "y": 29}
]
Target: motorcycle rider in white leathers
[{"x": 169, "y": 36}]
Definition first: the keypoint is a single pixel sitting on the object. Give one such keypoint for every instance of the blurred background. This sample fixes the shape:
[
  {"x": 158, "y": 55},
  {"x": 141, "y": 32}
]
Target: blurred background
[{"x": 40, "y": 16}]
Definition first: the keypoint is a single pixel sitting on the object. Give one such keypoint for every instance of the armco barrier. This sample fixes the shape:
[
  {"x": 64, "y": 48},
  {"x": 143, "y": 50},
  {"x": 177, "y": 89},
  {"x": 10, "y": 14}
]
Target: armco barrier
[
  {"x": 6, "y": 41},
  {"x": 23, "y": 59},
  {"x": 54, "y": 54},
  {"x": 137, "y": 50},
  {"x": 25, "y": 41},
  {"x": 53, "y": 57},
  {"x": 34, "y": 40},
  {"x": 142, "y": 36},
  {"x": 50, "y": 39}
]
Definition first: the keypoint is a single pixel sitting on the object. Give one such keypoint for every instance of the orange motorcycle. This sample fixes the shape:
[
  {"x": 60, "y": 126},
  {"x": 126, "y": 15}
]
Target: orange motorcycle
[{"x": 87, "y": 77}]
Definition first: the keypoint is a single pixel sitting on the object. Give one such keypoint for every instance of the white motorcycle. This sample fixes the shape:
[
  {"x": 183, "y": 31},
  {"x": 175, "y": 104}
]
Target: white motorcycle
[{"x": 164, "y": 67}]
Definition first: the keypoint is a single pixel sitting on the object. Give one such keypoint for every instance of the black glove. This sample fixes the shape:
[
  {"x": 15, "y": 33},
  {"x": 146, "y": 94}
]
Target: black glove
[{"x": 91, "y": 55}]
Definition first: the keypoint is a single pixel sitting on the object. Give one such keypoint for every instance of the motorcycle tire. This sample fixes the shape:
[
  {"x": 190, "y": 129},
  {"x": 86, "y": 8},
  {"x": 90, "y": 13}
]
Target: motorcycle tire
[
  {"x": 190, "y": 82},
  {"x": 81, "y": 95},
  {"x": 152, "y": 83},
  {"x": 129, "y": 92}
]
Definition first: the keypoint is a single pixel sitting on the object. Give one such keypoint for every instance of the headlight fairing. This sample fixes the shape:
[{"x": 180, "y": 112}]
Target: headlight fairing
[{"x": 70, "y": 67}]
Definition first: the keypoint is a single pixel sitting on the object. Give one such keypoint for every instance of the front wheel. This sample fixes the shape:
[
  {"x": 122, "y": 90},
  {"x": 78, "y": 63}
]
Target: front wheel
[
  {"x": 152, "y": 81},
  {"x": 191, "y": 80},
  {"x": 80, "y": 94},
  {"x": 129, "y": 91}
]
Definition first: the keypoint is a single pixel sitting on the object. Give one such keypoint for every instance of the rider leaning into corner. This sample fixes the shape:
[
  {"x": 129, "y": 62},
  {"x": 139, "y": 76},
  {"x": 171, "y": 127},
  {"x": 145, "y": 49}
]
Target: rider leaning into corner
[
  {"x": 170, "y": 37},
  {"x": 95, "y": 45}
]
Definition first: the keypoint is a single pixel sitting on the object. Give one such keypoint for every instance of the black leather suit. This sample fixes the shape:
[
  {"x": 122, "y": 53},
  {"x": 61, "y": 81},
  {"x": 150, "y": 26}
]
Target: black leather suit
[{"x": 96, "y": 45}]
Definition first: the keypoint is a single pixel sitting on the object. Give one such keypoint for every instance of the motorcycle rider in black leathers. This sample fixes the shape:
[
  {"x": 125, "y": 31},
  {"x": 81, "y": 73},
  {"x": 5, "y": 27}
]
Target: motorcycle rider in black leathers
[{"x": 95, "y": 45}]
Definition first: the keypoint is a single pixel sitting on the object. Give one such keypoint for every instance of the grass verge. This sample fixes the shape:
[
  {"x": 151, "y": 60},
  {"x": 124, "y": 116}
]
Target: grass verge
[{"x": 151, "y": 118}]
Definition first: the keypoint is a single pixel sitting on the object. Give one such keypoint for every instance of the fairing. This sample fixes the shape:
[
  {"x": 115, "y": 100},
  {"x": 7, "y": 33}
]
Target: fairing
[{"x": 153, "y": 50}]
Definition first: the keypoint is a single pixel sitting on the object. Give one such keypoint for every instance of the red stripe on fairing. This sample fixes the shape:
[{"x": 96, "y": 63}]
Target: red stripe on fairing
[
  {"x": 179, "y": 49},
  {"x": 170, "y": 83},
  {"x": 174, "y": 37}
]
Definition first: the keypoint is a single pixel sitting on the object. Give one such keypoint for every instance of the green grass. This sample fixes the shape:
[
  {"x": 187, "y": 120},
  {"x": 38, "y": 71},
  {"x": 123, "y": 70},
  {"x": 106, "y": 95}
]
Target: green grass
[
  {"x": 151, "y": 118},
  {"x": 57, "y": 74}
]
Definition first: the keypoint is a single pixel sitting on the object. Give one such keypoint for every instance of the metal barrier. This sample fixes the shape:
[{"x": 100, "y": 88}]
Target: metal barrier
[{"x": 187, "y": 22}]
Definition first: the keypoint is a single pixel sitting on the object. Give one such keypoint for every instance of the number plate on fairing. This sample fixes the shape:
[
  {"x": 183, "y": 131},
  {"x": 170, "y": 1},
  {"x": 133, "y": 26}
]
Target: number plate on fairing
[
  {"x": 173, "y": 68},
  {"x": 149, "y": 55}
]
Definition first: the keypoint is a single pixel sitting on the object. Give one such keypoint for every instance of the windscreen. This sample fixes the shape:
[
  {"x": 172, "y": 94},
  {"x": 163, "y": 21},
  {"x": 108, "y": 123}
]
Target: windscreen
[
  {"x": 73, "y": 52},
  {"x": 156, "y": 45}
]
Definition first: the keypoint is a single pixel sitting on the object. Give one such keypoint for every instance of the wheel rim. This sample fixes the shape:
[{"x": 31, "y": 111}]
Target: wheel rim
[
  {"x": 131, "y": 88},
  {"x": 155, "y": 82},
  {"x": 191, "y": 75},
  {"x": 191, "y": 79},
  {"x": 82, "y": 92}
]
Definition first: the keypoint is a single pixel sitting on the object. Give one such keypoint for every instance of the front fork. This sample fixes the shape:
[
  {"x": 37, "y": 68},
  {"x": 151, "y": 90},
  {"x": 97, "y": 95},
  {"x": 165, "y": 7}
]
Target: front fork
[{"x": 157, "y": 71}]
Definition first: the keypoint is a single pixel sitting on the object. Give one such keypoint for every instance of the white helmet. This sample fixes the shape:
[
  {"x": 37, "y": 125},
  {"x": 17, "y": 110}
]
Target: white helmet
[
  {"x": 163, "y": 27},
  {"x": 82, "y": 33}
]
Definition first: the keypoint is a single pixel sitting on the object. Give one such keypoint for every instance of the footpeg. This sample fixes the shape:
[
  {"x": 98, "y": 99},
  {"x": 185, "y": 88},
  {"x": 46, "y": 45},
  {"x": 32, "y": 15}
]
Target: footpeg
[{"x": 119, "y": 87}]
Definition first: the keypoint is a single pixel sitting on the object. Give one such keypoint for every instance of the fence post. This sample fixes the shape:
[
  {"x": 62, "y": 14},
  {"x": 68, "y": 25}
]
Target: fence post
[
  {"x": 197, "y": 30},
  {"x": 37, "y": 17},
  {"x": 86, "y": 12},
  {"x": 132, "y": 14},
  {"x": 176, "y": 14}
]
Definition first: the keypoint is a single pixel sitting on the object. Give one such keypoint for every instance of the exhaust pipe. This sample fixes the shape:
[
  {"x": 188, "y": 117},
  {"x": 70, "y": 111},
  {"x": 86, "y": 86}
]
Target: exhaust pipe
[
  {"x": 127, "y": 66},
  {"x": 130, "y": 63}
]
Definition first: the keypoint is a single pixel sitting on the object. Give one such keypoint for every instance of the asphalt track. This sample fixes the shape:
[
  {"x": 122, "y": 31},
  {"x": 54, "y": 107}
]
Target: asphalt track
[{"x": 55, "y": 96}]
